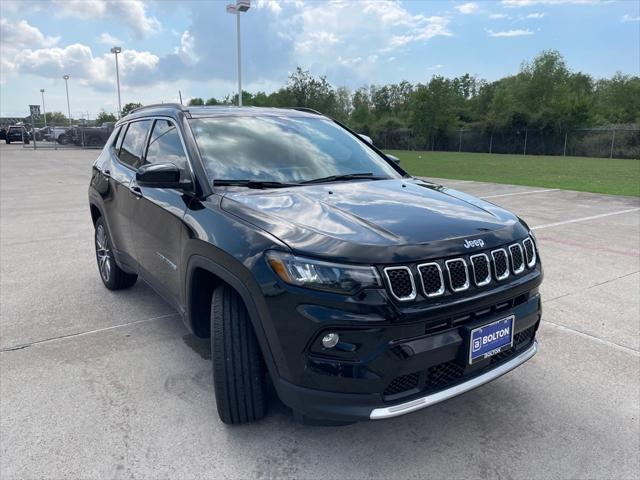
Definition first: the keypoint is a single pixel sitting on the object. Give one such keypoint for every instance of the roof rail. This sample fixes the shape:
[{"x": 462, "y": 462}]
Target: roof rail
[
  {"x": 156, "y": 105},
  {"x": 305, "y": 109}
]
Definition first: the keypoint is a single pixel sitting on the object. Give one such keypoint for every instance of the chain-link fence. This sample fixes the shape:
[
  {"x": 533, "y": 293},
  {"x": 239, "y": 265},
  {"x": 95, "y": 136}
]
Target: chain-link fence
[{"x": 609, "y": 142}]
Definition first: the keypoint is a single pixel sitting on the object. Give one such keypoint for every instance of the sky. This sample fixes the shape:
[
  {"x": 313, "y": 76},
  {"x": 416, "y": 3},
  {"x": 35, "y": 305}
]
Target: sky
[{"x": 169, "y": 46}]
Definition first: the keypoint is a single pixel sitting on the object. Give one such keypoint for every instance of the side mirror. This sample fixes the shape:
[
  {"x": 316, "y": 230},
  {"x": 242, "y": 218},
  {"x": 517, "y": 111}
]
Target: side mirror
[
  {"x": 366, "y": 138},
  {"x": 393, "y": 158},
  {"x": 159, "y": 175}
]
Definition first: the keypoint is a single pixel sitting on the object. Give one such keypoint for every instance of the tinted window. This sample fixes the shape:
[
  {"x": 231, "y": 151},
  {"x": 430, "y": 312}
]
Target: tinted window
[
  {"x": 165, "y": 146},
  {"x": 284, "y": 149},
  {"x": 133, "y": 143}
]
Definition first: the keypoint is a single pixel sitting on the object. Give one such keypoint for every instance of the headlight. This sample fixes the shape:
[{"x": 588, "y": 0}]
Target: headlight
[{"x": 310, "y": 273}]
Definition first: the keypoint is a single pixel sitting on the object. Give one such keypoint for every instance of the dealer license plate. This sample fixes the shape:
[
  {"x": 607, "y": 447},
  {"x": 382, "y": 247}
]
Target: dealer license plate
[{"x": 491, "y": 339}]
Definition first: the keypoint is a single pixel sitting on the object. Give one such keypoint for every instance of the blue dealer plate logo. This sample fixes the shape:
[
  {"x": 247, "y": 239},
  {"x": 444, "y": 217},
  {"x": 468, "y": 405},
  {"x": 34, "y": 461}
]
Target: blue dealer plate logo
[{"x": 491, "y": 339}]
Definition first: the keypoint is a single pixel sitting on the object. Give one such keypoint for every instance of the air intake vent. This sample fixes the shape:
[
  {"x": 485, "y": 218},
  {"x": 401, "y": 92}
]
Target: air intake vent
[
  {"x": 401, "y": 283},
  {"x": 458, "y": 275},
  {"x": 481, "y": 270},
  {"x": 517, "y": 258},
  {"x": 500, "y": 264},
  {"x": 530, "y": 252},
  {"x": 431, "y": 278}
]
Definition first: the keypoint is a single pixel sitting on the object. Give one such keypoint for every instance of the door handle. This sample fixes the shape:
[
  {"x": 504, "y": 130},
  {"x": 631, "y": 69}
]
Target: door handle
[
  {"x": 135, "y": 189},
  {"x": 106, "y": 173}
]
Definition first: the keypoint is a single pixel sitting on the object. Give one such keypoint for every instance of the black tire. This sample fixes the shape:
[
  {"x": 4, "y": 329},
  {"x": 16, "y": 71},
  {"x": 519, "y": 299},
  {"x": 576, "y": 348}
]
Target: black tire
[
  {"x": 8, "y": 141},
  {"x": 113, "y": 277},
  {"x": 239, "y": 373},
  {"x": 26, "y": 142},
  {"x": 62, "y": 139}
]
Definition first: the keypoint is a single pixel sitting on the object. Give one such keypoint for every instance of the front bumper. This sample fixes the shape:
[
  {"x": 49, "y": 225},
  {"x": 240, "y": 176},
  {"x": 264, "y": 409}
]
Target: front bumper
[{"x": 428, "y": 400}]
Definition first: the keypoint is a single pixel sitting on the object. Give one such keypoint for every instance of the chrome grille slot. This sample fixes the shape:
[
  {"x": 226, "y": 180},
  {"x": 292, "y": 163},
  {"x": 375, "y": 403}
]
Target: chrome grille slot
[
  {"x": 517, "y": 258},
  {"x": 401, "y": 283},
  {"x": 431, "y": 279},
  {"x": 481, "y": 269},
  {"x": 458, "y": 274},
  {"x": 530, "y": 252},
  {"x": 500, "y": 264}
]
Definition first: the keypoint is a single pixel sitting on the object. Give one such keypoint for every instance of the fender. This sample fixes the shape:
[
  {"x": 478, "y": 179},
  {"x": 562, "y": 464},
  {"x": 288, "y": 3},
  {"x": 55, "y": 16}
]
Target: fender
[{"x": 199, "y": 261}]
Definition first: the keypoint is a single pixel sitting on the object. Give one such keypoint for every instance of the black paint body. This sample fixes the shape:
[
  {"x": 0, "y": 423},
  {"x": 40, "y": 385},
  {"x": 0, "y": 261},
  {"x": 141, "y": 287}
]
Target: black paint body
[{"x": 170, "y": 237}]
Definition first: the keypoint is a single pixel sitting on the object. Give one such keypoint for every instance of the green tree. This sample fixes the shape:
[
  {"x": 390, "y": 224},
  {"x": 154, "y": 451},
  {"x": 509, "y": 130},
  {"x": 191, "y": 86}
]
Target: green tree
[
  {"x": 56, "y": 118},
  {"x": 129, "y": 107},
  {"x": 105, "y": 117},
  {"x": 196, "y": 101}
]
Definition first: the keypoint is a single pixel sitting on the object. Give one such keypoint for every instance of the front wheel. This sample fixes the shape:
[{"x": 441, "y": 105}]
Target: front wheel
[
  {"x": 113, "y": 277},
  {"x": 239, "y": 373}
]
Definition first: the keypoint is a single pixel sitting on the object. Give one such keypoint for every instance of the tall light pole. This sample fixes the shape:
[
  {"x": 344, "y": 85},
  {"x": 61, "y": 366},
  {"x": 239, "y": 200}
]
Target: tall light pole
[
  {"x": 66, "y": 86},
  {"x": 116, "y": 51},
  {"x": 44, "y": 111},
  {"x": 239, "y": 7}
]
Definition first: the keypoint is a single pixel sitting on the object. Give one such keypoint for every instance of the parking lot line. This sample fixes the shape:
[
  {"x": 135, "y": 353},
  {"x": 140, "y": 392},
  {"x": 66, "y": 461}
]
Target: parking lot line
[
  {"x": 617, "y": 346},
  {"x": 528, "y": 192},
  {"x": 584, "y": 219},
  {"x": 88, "y": 332}
]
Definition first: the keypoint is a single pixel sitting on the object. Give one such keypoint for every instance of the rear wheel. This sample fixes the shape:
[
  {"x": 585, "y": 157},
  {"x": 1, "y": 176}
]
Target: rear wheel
[
  {"x": 239, "y": 373},
  {"x": 113, "y": 277}
]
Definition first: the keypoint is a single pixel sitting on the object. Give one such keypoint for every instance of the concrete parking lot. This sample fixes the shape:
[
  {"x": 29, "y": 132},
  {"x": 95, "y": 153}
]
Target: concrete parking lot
[{"x": 97, "y": 384}]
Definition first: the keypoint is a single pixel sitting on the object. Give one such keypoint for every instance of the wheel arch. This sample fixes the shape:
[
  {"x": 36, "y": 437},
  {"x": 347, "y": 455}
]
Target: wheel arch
[{"x": 204, "y": 271}]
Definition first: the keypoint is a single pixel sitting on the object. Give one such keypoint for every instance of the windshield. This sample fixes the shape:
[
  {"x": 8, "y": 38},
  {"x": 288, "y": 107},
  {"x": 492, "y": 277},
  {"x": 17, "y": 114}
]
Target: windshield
[{"x": 282, "y": 149}]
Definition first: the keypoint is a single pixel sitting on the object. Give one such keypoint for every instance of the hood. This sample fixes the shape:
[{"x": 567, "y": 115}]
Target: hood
[{"x": 381, "y": 221}]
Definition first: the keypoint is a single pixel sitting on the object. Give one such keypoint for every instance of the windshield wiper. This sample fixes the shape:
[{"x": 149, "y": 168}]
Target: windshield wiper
[
  {"x": 252, "y": 183},
  {"x": 345, "y": 177}
]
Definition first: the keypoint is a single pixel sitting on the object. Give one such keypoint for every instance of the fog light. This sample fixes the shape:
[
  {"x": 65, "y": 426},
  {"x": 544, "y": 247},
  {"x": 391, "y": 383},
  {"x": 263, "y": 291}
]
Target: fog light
[{"x": 330, "y": 340}]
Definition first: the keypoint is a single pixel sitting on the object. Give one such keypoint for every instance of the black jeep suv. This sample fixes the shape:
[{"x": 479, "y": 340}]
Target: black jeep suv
[{"x": 313, "y": 261}]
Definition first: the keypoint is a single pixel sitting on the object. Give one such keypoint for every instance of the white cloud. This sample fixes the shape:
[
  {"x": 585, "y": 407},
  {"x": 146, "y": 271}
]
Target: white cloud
[
  {"x": 186, "y": 50},
  {"x": 109, "y": 39},
  {"x": 467, "y": 8},
  {"x": 132, "y": 13},
  {"x": 435, "y": 67},
  {"x": 510, "y": 33},
  {"x": 528, "y": 3},
  {"x": 22, "y": 35},
  {"x": 17, "y": 36},
  {"x": 321, "y": 32},
  {"x": 77, "y": 60},
  {"x": 497, "y": 16},
  {"x": 536, "y": 15},
  {"x": 630, "y": 18}
]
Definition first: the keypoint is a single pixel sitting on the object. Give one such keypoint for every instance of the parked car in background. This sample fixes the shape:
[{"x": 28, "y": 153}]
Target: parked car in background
[
  {"x": 3, "y": 133},
  {"x": 17, "y": 133},
  {"x": 91, "y": 136},
  {"x": 58, "y": 134}
]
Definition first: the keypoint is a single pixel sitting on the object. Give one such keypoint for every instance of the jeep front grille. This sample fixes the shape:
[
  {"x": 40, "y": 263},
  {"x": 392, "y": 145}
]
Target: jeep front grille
[
  {"x": 530, "y": 252},
  {"x": 500, "y": 264},
  {"x": 458, "y": 274},
  {"x": 401, "y": 282},
  {"x": 451, "y": 276},
  {"x": 431, "y": 279},
  {"x": 517, "y": 258},
  {"x": 481, "y": 269}
]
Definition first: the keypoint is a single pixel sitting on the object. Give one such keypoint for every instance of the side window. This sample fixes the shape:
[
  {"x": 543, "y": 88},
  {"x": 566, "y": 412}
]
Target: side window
[
  {"x": 116, "y": 138},
  {"x": 133, "y": 143},
  {"x": 165, "y": 146}
]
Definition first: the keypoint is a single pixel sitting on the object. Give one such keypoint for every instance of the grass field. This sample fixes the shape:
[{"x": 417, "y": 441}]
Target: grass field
[{"x": 599, "y": 175}]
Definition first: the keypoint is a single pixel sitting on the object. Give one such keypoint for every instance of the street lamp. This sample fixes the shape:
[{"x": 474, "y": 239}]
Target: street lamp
[
  {"x": 66, "y": 85},
  {"x": 239, "y": 7},
  {"x": 116, "y": 51},
  {"x": 44, "y": 111}
]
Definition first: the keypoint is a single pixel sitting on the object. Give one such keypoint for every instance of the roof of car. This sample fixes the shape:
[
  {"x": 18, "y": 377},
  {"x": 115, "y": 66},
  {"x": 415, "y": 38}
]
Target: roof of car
[{"x": 174, "y": 109}]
